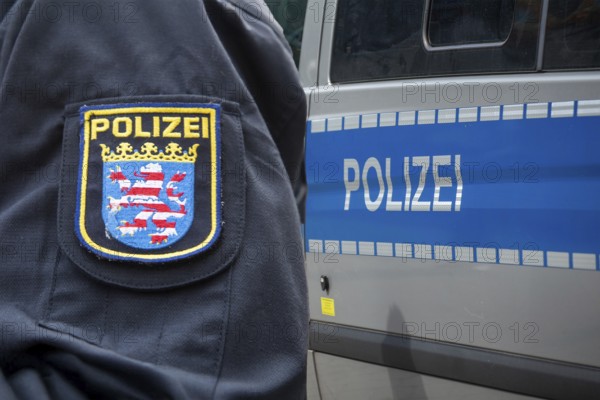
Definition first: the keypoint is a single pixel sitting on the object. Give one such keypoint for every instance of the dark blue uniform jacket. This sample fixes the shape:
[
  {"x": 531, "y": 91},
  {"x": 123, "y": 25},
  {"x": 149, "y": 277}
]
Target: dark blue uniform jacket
[{"x": 149, "y": 238}]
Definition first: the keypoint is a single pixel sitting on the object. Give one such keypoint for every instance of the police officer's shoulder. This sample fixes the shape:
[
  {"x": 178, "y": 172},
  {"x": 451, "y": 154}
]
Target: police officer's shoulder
[{"x": 256, "y": 11}]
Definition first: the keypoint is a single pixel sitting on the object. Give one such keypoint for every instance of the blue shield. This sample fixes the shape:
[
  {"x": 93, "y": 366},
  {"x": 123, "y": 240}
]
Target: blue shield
[{"x": 148, "y": 204}]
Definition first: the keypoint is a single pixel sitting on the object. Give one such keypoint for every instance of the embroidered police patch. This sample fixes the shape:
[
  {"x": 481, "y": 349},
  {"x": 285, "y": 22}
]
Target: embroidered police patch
[{"x": 149, "y": 180}]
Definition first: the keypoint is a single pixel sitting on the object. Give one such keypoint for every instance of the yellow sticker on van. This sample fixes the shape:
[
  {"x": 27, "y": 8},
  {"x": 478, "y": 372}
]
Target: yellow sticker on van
[{"x": 327, "y": 306}]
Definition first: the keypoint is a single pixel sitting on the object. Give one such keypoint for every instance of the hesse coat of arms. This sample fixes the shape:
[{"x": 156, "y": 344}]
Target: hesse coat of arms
[
  {"x": 142, "y": 209},
  {"x": 150, "y": 194}
]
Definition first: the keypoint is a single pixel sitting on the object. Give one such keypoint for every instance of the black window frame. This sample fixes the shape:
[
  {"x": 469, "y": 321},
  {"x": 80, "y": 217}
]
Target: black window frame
[
  {"x": 431, "y": 47},
  {"x": 485, "y": 55}
]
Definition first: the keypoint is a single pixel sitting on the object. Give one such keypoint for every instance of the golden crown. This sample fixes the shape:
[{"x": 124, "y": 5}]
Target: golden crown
[{"x": 149, "y": 152}]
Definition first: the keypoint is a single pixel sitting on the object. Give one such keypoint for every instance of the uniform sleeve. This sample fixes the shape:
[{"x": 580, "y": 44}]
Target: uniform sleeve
[
  {"x": 263, "y": 58},
  {"x": 224, "y": 318}
]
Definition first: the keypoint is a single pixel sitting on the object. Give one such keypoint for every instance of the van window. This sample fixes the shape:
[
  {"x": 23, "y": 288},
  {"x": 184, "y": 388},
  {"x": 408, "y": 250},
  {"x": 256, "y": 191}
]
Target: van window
[
  {"x": 572, "y": 34},
  {"x": 456, "y": 22},
  {"x": 385, "y": 39}
]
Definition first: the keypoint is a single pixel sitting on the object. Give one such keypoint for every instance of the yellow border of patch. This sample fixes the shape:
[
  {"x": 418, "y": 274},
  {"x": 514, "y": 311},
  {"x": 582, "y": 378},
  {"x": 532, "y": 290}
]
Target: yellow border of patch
[{"x": 84, "y": 170}]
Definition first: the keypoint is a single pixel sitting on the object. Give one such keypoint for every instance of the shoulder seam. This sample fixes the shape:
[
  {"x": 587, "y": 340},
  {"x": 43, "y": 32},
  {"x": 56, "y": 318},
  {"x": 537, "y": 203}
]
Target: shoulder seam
[{"x": 261, "y": 18}]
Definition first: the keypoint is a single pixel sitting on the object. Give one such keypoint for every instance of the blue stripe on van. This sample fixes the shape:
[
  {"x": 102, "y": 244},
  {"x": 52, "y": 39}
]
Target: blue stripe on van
[{"x": 531, "y": 184}]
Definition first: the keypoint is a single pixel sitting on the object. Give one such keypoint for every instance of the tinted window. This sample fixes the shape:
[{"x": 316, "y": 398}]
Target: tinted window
[
  {"x": 458, "y": 22},
  {"x": 290, "y": 15},
  {"x": 384, "y": 39},
  {"x": 572, "y": 34}
]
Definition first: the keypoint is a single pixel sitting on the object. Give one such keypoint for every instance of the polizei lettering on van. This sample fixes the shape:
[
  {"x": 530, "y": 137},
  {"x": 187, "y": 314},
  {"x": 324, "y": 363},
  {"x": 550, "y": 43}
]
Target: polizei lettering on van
[{"x": 401, "y": 182}]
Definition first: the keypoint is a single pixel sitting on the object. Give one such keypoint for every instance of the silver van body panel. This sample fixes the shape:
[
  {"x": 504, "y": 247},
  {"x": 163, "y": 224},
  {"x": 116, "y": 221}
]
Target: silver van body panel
[
  {"x": 542, "y": 312},
  {"x": 354, "y": 380},
  {"x": 311, "y": 44}
]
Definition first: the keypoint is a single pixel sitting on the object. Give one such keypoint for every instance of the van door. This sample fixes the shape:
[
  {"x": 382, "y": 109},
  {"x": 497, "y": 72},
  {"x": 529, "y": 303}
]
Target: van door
[{"x": 452, "y": 214}]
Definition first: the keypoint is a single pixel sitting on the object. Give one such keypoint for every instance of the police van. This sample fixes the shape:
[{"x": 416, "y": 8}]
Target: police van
[{"x": 453, "y": 211}]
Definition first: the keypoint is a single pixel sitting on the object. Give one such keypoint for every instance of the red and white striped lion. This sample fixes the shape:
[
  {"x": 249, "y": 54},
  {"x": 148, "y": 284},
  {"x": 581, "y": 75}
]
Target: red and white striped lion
[{"x": 144, "y": 193}]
